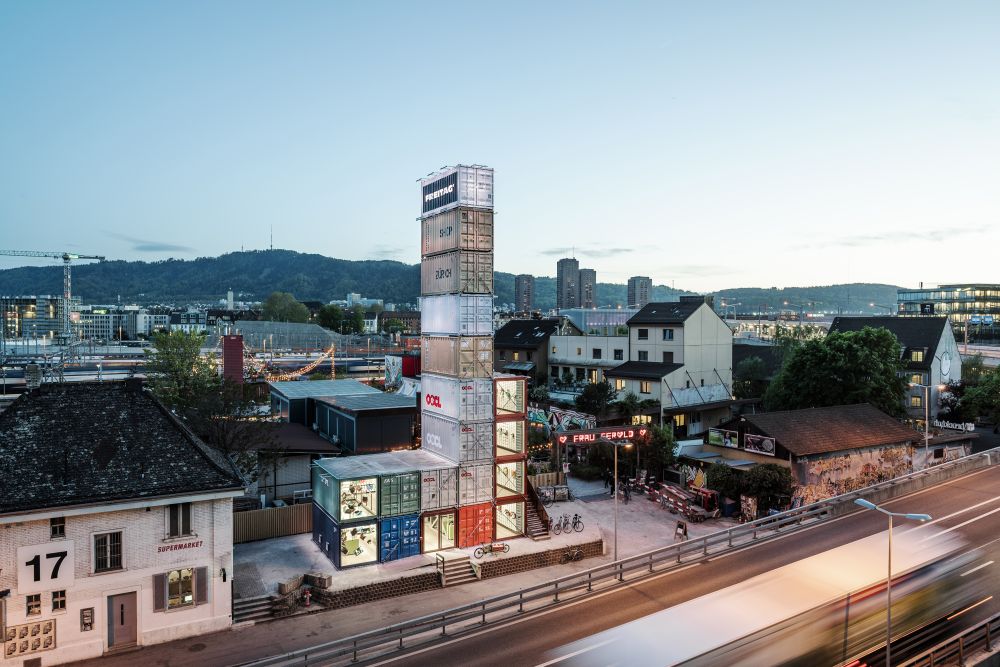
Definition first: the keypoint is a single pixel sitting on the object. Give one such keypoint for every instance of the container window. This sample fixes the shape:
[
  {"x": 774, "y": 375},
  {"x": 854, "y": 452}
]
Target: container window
[
  {"x": 358, "y": 545},
  {"x": 358, "y": 498}
]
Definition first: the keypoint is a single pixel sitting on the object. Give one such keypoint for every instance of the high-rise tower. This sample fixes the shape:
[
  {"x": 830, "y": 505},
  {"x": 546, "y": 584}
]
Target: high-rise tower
[{"x": 567, "y": 283}]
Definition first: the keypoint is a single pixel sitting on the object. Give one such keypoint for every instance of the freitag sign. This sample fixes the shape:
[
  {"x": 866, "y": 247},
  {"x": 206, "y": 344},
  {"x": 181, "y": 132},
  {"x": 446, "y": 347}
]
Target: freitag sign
[
  {"x": 591, "y": 436},
  {"x": 441, "y": 192}
]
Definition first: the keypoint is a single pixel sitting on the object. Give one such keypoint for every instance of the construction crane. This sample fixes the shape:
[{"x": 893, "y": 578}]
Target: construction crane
[{"x": 66, "y": 257}]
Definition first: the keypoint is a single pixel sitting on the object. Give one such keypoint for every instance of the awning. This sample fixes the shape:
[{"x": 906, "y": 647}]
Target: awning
[{"x": 522, "y": 366}]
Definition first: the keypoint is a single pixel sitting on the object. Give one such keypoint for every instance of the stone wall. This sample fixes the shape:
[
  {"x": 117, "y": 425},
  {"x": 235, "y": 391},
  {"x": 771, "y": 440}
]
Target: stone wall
[
  {"x": 503, "y": 566},
  {"x": 377, "y": 591}
]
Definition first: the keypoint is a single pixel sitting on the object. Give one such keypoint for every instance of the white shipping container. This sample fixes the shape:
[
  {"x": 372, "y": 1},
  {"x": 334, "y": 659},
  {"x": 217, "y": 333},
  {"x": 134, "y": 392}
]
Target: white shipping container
[
  {"x": 457, "y": 356},
  {"x": 457, "y": 315},
  {"x": 457, "y": 271},
  {"x": 438, "y": 488},
  {"x": 462, "y": 400},
  {"x": 457, "y": 229},
  {"x": 460, "y": 185},
  {"x": 457, "y": 441},
  {"x": 475, "y": 483}
]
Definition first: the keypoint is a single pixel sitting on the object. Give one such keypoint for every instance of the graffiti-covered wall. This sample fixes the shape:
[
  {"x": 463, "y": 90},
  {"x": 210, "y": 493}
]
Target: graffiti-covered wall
[{"x": 827, "y": 475}]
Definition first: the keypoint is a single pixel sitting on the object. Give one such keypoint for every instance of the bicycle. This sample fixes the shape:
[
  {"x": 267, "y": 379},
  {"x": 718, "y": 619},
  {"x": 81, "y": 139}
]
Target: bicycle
[
  {"x": 571, "y": 555},
  {"x": 492, "y": 548},
  {"x": 578, "y": 523},
  {"x": 559, "y": 525}
]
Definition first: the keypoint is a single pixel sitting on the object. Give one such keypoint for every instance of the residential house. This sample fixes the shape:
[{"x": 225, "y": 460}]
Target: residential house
[
  {"x": 117, "y": 525},
  {"x": 681, "y": 355},
  {"x": 521, "y": 347}
]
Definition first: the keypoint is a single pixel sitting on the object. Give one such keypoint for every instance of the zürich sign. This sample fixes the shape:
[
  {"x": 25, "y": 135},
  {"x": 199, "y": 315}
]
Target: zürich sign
[{"x": 591, "y": 436}]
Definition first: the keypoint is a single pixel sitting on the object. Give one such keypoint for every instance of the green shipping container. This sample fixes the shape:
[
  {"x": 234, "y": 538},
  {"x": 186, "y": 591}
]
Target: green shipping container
[{"x": 399, "y": 494}]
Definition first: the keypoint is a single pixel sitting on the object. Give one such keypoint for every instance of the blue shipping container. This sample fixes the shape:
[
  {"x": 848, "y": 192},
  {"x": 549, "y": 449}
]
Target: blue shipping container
[
  {"x": 326, "y": 534},
  {"x": 400, "y": 537}
]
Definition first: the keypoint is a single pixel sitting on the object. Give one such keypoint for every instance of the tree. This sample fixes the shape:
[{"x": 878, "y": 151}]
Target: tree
[
  {"x": 770, "y": 483},
  {"x": 750, "y": 378},
  {"x": 218, "y": 412},
  {"x": 596, "y": 397},
  {"x": 983, "y": 399},
  {"x": 658, "y": 449},
  {"x": 727, "y": 481},
  {"x": 282, "y": 307},
  {"x": 973, "y": 369},
  {"x": 330, "y": 317},
  {"x": 393, "y": 325},
  {"x": 354, "y": 320},
  {"x": 628, "y": 406},
  {"x": 842, "y": 369}
]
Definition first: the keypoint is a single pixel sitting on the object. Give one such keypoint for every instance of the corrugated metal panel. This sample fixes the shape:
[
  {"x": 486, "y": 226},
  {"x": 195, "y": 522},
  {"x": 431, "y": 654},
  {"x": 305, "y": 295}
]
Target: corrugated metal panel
[
  {"x": 399, "y": 494},
  {"x": 475, "y": 483},
  {"x": 464, "y": 400},
  {"x": 400, "y": 538},
  {"x": 457, "y": 271},
  {"x": 438, "y": 488},
  {"x": 458, "y": 229},
  {"x": 456, "y": 315},
  {"x": 475, "y": 525},
  {"x": 458, "y": 356},
  {"x": 456, "y": 186},
  {"x": 326, "y": 534},
  {"x": 325, "y": 491},
  {"x": 458, "y": 441}
]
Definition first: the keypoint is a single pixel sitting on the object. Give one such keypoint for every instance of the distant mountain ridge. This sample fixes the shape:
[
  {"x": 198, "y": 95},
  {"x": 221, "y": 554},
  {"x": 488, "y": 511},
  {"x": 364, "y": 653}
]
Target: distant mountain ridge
[{"x": 254, "y": 274}]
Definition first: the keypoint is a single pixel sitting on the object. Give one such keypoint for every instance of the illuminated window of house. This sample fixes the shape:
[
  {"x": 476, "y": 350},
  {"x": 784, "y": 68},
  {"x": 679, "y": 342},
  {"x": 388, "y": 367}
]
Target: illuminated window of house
[
  {"x": 516, "y": 356},
  {"x": 916, "y": 401},
  {"x": 180, "y": 588},
  {"x": 917, "y": 378},
  {"x": 619, "y": 385},
  {"x": 638, "y": 420},
  {"x": 916, "y": 355},
  {"x": 680, "y": 420},
  {"x": 645, "y": 387}
]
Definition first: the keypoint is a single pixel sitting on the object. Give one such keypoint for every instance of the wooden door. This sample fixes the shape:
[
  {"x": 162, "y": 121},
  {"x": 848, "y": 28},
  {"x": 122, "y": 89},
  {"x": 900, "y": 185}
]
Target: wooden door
[{"x": 122, "y": 620}]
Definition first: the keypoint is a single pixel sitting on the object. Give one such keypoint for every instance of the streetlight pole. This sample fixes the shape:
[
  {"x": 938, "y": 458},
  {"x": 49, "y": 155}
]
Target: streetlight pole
[
  {"x": 616, "y": 446},
  {"x": 888, "y": 580}
]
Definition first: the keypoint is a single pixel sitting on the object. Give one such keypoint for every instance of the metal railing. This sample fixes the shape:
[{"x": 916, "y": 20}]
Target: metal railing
[
  {"x": 430, "y": 628},
  {"x": 955, "y": 650}
]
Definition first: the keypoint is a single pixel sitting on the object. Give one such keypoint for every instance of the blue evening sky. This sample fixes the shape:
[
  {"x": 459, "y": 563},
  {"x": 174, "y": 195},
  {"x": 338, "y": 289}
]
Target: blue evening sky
[{"x": 709, "y": 144}]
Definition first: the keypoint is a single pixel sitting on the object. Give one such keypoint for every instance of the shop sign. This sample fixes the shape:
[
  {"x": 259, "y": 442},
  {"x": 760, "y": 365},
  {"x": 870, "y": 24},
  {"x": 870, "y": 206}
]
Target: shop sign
[
  {"x": 178, "y": 546},
  {"x": 759, "y": 444},
  {"x": 45, "y": 567},
  {"x": 966, "y": 427},
  {"x": 723, "y": 438},
  {"x": 598, "y": 434},
  {"x": 441, "y": 192}
]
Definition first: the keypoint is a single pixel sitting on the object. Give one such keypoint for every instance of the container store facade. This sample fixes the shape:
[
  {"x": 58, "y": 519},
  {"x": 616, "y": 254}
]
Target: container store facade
[
  {"x": 457, "y": 314},
  {"x": 458, "y": 271},
  {"x": 455, "y": 398},
  {"x": 457, "y": 229},
  {"x": 475, "y": 524},
  {"x": 458, "y": 356},
  {"x": 475, "y": 483},
  {"x": 461, "y": 442},
  {"x": 400, "y": 537},
  {"x": 346, "y": 545}
]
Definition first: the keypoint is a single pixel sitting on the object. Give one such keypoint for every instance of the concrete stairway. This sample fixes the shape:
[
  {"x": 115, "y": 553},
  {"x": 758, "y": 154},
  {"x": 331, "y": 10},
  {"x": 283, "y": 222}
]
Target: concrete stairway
[
  {"x": 458, "y": 570},
  {"x": 535, "y": 528},
  {"x": 252, "y": 609}
]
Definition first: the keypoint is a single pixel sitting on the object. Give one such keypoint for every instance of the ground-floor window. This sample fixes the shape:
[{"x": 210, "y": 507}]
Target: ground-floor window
[
  {"x": 510, "y": 520},
  {"x": 180, "y": 588},
  {"x": 439, "y": 531},
  {"x": 358, "y": 544}
]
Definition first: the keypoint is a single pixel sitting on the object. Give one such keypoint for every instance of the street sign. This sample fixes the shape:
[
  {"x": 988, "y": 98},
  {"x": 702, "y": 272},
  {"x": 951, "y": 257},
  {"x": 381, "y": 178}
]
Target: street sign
[{"x": 591, "y": 436}]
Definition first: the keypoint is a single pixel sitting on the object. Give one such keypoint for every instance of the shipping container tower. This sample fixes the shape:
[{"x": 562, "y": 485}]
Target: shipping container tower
[{"x": 459, "y": 391}]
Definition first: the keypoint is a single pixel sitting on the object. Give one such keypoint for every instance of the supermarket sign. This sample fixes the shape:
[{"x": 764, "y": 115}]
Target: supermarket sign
[{"x": 595, "y": 435}]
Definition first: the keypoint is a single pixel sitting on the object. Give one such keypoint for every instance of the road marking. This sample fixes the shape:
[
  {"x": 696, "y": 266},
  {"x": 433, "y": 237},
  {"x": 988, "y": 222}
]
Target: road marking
[
  {"x": 574, "y": 653},
  {"x": 964, "y": 523},
  {"x": 978, "y": 567},
  {"x": 962, "y": 511}
]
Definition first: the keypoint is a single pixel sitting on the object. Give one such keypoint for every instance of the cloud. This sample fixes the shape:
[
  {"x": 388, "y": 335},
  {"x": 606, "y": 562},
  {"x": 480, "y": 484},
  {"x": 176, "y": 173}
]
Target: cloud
[
  {"x": 387, "y": 251},
  {"x": 145, "y": 245},
  {"x": 589, "y": 251},
  {"x": 866, "y": 240}
]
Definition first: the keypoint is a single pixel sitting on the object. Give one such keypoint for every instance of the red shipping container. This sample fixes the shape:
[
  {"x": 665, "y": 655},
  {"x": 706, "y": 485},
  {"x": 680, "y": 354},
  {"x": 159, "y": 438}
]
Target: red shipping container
[
  {"x": 411, "y": 365},
  {"x": 475, "y": 525},
  {"x": 232, "y": 358}
]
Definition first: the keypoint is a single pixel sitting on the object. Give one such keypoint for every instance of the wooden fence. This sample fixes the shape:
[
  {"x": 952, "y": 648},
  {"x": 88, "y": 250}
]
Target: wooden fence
[
  {"x": 547, "y": 479},
  {"x": 272, "y": 522}
]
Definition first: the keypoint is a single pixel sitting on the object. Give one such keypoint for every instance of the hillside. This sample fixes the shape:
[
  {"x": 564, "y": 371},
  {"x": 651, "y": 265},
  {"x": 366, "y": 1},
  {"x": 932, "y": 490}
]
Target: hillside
[{"x": 253, "y": 275}]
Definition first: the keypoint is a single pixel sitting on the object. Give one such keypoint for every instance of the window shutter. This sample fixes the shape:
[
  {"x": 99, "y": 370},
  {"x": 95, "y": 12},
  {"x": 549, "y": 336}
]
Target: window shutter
[
  {"x": 172, "y": 530},
  {"x": 201, "y": 585},
  {"x": 159, "y": 592},
  {"x": 186, "y": 519}
]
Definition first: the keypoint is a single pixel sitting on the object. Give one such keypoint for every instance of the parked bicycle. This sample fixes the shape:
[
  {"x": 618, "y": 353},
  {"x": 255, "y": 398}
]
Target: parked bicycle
[
  {"x": 491, "y": 548},
  {"x": 559, "y": 525},
  {"x": 572, "y": 554},
  {"x": 578, "y": 523}
]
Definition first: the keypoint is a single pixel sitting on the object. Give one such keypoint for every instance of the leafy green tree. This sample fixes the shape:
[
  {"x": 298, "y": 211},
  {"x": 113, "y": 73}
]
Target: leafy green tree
[
  {"x": 749, "y": 378},
  {"x": 727, "y": 481},
  {"x": 282, "y": 307},
  {"x": 658, "y": 450},
  {"x": 217, "y": 411},
  {"x": 393, "y": 325},
  {"x": 973, "y": 369},
  {"x": 983, "y": 399},
  {"x": 596, "y": 397},
  {"x": 842, "y": 369},
  {"x": 628, "y": 406},
  {"x": 354, "y": 320},
  {"x": 770, "y": 483},
  {"x": 539, "y": 394},
  {"x": 330, "y": 317}
]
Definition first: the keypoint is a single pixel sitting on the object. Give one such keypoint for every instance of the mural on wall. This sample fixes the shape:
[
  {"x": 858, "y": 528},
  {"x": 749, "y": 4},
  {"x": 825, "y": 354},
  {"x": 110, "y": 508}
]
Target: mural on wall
[
  {"x": 556, "y": 420},
  {"x": 393, "y": 372},
  {"x": 832, "y": 475}
]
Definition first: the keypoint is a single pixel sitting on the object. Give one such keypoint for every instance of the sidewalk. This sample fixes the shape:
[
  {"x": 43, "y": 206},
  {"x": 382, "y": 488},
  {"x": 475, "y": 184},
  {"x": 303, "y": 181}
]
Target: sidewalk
[{"x": 642, "y": 526}]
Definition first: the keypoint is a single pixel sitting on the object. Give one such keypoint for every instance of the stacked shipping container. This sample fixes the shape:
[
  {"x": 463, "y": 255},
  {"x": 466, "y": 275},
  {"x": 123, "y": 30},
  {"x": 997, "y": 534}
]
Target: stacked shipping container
[{"x": 456, "y": 284}]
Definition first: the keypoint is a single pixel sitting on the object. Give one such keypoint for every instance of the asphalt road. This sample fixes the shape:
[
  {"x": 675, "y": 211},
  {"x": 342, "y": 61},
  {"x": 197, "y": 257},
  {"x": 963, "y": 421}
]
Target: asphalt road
[{"x": 970, "y": 505}]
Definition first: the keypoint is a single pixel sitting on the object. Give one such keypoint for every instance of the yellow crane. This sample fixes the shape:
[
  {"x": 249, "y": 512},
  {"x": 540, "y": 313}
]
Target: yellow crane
[{"x": 66, "y": 258}]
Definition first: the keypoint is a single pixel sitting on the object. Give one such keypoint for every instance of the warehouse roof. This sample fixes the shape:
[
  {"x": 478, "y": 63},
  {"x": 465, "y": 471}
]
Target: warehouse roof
[
  {"x": 363, "y": 402},
  {"x": 388, "y": 463},
  {"x": 833, "y": 429},
  {"x": 914, "y": 333},
  {"x": 317, "y": 388},
  {"x": 95, "y": 443}
]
